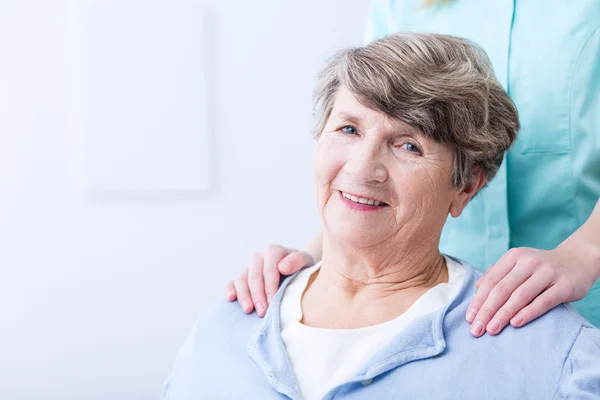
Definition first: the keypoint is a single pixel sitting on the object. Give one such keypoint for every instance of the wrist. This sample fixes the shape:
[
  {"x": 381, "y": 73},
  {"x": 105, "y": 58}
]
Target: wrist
[
  {"x": 583, "y": 253},
  {"x": 595, "y": 261}
]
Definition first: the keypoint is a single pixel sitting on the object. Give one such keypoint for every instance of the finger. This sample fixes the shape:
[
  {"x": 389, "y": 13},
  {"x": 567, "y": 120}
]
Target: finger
[
  {"x": 294, "y": 262},
  {"x": 539, "y": 306},
  {"x": 230, "y": 294},
  {"x": 243, "y": 292},
  {"x": 478, "y": 283},
  {"x": 488, "y": 281},
  {"x": 273, "y": 256},
  {"x": 256, "y": 284},
  {"x": 520, "y": 298},
  {"x": 497, "y": 297}
]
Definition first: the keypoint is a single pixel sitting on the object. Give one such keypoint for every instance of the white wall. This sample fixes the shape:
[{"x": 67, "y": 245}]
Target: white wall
[{"x": 97, "y": 293}]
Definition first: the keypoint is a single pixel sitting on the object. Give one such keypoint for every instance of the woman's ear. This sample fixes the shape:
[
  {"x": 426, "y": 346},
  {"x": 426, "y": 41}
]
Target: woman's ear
[{"x": 465, "y": 195}]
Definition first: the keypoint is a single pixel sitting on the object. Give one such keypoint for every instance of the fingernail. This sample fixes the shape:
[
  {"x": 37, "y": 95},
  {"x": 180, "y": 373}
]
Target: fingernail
[
  {"x": 284, "y": 266},
  {"x": 471, "y": 314},
  {"x": 493, "y": 326},
  {"x": 230, "y": 295},
  {"x": 269, "y": 298},
  {"x": 516, "y": 321},
  {"x": 246, "y": 306},
  {"x": 476, "y": 328},
  {"x": 260, "y": 309}
]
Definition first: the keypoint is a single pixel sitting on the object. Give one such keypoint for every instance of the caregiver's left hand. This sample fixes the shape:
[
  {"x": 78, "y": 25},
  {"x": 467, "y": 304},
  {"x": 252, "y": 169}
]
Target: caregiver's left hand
[{"x": 524, "y": 284}]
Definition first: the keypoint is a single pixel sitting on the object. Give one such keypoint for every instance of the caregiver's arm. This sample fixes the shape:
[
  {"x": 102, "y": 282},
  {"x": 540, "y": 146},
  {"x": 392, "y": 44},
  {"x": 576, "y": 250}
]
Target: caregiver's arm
[
  {"x": 259, "y": 282},
  {"x": 525, "y": 283}
]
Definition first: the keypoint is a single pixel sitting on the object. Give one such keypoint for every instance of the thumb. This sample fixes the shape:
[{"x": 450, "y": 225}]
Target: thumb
[{"x": 294, "y": 262}]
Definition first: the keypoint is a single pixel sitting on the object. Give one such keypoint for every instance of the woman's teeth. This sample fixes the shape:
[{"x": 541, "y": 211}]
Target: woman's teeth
[{"x": 362, "y": 200}]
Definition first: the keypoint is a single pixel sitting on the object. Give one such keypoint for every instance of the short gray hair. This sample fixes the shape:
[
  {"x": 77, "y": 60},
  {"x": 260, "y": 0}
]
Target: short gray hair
[{"x": 442, "y": 85}]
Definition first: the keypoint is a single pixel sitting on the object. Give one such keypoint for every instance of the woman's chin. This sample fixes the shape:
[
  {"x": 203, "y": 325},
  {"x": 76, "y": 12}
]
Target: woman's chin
[
  {"x": 352, "y": 228},
  {"x": 354, "y": 235}
]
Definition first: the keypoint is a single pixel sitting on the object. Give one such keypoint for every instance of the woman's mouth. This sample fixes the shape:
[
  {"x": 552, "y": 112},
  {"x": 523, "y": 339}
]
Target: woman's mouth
[{"x": 361, "y": 203}]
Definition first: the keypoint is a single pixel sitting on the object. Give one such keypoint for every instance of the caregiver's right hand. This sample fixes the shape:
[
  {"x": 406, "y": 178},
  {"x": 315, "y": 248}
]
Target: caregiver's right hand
[{"x": 259, "y": 282}]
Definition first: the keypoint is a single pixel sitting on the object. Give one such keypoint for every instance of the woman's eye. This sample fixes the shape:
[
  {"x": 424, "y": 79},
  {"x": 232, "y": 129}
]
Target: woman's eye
[
  {"x": 350, "y": 130},
  {"x": 411, "y": 148}
]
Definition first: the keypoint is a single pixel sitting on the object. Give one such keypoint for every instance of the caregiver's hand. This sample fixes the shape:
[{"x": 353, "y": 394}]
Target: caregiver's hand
[
  {"x": 524, "y": 284},
  {"x": 259, "y": 282}
]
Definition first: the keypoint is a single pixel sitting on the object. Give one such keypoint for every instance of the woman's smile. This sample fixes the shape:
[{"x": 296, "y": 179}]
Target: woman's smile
[{"x": 360, "y": 203}]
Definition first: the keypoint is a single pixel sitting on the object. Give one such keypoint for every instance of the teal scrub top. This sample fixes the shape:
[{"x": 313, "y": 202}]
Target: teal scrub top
[{"x": 547, "y": 56}]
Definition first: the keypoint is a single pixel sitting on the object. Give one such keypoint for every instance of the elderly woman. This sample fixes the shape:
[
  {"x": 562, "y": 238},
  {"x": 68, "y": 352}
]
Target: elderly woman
[{"x": 409, "y": 128}]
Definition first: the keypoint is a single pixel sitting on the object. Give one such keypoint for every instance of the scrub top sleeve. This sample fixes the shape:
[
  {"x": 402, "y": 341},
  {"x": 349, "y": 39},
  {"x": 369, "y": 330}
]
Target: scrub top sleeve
[
  {"x": 581, "y": 370},
  {"x": 378, "y": 23}
]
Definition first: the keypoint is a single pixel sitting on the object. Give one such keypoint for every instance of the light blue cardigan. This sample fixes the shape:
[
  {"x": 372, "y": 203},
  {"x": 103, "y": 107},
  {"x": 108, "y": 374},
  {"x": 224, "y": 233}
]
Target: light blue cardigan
[{"x": 231, "y": 355}]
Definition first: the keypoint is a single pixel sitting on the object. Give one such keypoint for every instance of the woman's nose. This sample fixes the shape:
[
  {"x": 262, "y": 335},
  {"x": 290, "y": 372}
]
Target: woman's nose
[{"x": 365, "y": 163}]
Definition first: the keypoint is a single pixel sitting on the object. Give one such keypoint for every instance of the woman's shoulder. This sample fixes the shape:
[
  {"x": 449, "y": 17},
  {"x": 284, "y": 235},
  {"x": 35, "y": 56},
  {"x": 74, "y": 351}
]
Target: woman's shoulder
[{"x": 222, "y": 315}]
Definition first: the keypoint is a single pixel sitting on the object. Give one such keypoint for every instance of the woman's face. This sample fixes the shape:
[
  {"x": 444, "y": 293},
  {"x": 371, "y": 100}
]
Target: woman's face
[{"x": 363, "y": 155}]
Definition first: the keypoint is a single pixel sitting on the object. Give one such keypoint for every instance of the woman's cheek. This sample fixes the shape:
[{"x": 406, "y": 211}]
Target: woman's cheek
[
  {"x": 329, "y": 160},
  {"x": 423, "y": 191},
  {"x": 321, "y": 179},
  {"x": 413, "y": 190}
]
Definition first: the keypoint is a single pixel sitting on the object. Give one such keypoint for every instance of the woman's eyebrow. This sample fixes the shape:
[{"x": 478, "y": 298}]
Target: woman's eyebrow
[{"x": 347, "y": 117}]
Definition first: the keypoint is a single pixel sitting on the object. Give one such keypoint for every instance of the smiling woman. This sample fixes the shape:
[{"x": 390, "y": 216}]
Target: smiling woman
[
  {"x": 363, "y": 154},
  {"x": 409, "y": 128}
]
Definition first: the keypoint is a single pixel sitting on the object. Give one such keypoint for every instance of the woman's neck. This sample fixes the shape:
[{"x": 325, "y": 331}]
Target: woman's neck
[{"x": 362, "y": 287}]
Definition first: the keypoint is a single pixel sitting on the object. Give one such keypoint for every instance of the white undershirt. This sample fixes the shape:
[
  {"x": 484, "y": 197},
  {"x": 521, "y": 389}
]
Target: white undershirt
[{"x": 324, "y": 358}]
